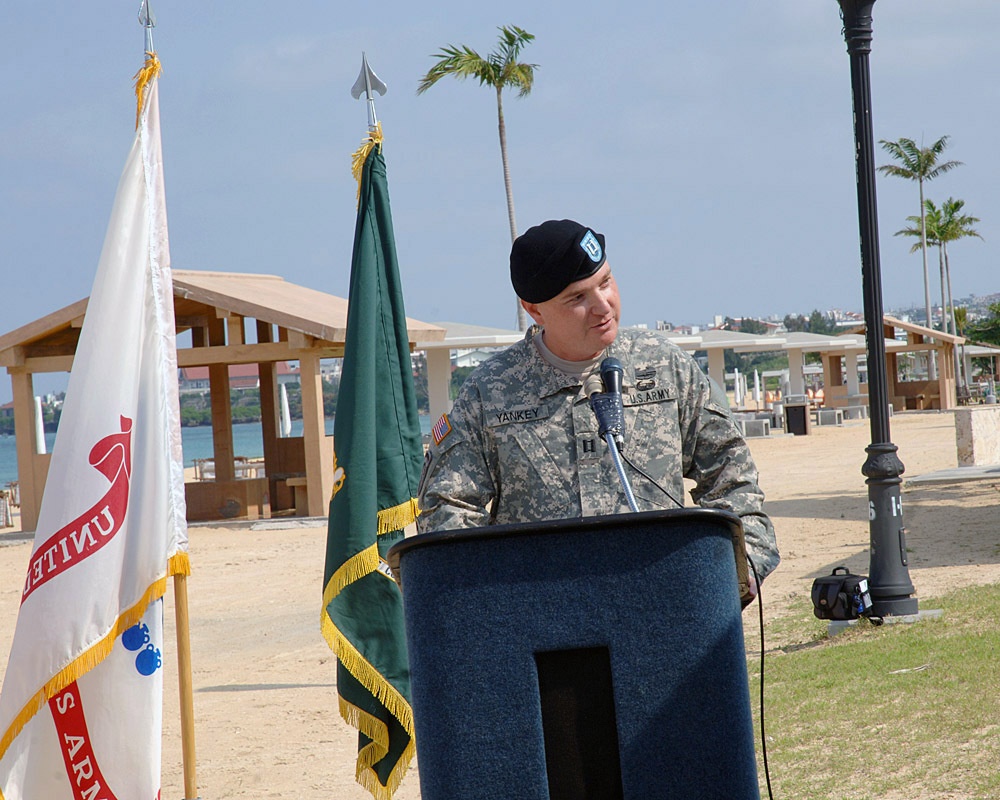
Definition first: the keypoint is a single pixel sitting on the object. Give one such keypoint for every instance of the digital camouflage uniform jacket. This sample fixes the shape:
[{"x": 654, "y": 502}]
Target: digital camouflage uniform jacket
[{"x": 521, "y": 445}]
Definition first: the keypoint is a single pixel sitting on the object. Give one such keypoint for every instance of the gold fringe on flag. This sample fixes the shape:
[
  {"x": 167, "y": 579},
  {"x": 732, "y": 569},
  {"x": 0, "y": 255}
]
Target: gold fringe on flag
[
  {"x": 354, "y": 569},
  {"x": 361, "y": 154},
  {"x": 372, "y": 680},
  {"x": 96, "y": 653},
  {"x": 397, "y": 517},
  {"x": 361, "y": 564},
  {"x": 151, "y": 69},
  {"x": 370, "y": 726},
  {"x": 375, "y": 751},
  {"x": 179, "y": 564}
]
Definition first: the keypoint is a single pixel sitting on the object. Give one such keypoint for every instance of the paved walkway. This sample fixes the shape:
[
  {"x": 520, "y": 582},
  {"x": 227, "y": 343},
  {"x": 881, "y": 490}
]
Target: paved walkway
[{"x": 958, "y": 475}]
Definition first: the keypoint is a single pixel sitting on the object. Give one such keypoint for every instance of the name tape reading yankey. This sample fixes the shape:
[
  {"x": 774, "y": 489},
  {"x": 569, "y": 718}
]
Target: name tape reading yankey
[{"x": 88, "y": 533}]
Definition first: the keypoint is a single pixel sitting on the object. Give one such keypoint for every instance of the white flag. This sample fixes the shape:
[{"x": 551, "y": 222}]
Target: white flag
[{"x": 81, "y": 705}]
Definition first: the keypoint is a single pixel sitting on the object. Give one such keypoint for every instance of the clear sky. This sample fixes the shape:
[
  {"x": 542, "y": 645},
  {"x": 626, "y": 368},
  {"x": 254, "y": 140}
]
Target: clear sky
[{"x": 712, "y": 143}]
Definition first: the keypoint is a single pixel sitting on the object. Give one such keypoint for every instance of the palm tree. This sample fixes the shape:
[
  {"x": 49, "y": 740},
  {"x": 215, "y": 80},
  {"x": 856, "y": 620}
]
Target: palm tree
[
  {"x": 960, "y": 316},
  {"x": 940, "y": 226},
  {"x": 961, "y": 319},
  {"x": 500, "y": 69},
  {"x": 927, "y": 231},
  {"x": 919, "y": 164},
  {"x": 954, "y": 225}
]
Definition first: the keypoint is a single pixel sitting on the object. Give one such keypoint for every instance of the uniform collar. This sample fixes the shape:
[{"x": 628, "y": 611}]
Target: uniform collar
[{"x": 552, "y": 380}]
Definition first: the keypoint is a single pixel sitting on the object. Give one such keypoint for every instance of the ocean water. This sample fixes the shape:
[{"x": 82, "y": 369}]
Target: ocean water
[{"x": 248, "y": 440}]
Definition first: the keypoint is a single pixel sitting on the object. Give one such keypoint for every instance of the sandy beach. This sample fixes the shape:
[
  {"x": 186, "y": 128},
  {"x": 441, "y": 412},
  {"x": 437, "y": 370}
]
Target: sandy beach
[{"x": 265, "y": 694}]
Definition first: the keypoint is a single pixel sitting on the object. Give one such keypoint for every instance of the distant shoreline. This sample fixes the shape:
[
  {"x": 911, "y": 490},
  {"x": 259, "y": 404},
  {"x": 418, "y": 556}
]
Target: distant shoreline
[{"x": 197, "y": 443}]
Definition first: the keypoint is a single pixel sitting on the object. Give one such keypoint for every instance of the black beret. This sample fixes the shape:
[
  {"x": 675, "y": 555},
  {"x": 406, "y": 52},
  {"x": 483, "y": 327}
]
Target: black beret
[{"x": 547, "y": 258}]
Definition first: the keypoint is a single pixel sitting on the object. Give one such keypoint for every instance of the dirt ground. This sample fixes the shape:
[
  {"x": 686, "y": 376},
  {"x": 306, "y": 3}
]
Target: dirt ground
[{"x": 264, "y": 678}]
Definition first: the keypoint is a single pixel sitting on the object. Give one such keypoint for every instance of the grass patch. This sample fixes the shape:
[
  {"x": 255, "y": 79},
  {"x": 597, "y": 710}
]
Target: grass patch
[{"x": 897, "y": 712}]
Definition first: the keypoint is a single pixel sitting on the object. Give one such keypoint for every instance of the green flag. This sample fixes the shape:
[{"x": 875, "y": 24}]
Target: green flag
[{"x": 377, "y": 463}]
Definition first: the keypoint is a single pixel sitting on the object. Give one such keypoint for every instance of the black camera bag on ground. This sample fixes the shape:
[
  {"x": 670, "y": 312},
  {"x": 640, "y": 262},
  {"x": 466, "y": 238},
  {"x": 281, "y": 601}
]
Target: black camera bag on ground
[{"x": 841, "y": 595}]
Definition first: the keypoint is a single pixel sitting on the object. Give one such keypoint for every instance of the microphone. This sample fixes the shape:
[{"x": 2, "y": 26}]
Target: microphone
[
  {"x": 610, "y": 413},
  {"x": 607, "y": 405},
  {"x": 611, "y": 375}
]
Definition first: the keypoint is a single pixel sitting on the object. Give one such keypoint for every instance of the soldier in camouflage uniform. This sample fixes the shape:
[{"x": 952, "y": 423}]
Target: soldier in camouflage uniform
[{"x": 521, "y": 443}]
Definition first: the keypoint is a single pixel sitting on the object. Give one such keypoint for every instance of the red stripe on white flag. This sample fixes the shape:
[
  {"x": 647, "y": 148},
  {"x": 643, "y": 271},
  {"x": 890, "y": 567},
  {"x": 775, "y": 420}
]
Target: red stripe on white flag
[
  {"x": 73, "y": 543},
  {"x": 82, "y": 767}
]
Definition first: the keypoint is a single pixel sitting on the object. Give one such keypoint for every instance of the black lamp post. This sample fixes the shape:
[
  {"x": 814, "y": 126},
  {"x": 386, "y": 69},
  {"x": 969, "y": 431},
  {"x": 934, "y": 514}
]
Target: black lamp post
[{"x": 889, "y": 577}]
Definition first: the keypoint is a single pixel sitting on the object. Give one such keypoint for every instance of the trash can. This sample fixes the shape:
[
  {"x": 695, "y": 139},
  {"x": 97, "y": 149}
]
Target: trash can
[{"x": 797, "y": 418}]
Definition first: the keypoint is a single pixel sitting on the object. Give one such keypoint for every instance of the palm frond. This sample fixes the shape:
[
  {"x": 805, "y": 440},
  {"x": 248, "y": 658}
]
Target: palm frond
[
  {"x": 498, "y": 69},
  {"x": 461, "y": 62},
  {"x": 512, "y": 41},
  {"x": 955, "y": 225},
  {"x": 897, "y": 171},
  {"x": 939, "y": 146},
  {"x": 521, "y": 77}
]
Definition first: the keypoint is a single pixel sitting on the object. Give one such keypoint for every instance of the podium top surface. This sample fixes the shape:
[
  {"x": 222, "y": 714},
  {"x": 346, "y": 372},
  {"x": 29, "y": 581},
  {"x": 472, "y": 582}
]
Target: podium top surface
[{"x": 672, "y": 518}]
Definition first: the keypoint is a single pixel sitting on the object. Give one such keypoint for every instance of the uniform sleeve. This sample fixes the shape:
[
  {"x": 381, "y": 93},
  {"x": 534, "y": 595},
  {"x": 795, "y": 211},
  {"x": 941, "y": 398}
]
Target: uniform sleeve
[
  {"x": 718, "y": 460},
  {"x": 457, "y": 487}
]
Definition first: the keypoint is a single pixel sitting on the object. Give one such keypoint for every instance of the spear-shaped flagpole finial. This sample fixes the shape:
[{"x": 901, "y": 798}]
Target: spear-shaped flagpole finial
[
  {"x": 148, "y": 21},
  {"x": 366, "y": 83}
]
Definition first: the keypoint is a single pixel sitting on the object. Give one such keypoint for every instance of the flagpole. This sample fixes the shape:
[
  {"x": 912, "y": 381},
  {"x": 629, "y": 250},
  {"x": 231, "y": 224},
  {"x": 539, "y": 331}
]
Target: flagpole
[
  {"x": 185, "y": 685},
  {"x": 148, "y": 21},
  {"x": 367, "y": 83},
  {"x": 378, "y": 456},
  {"x": 181, "y": 613}
]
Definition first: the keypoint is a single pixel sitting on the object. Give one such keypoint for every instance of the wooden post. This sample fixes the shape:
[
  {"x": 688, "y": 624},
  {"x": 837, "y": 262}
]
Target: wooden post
[
  {"x": 269, "y": 412},
  {"x": 235, "y": 330},
  {"x": 222, "y": 412},
  {"x": 24, "y": 427},
  {"x": 314, "y": 433},
  {"x": 185, "y": 686}
]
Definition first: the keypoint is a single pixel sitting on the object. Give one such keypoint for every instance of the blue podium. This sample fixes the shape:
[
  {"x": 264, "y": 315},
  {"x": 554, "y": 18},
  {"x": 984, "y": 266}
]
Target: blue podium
[{"x": 596, "y": 658}]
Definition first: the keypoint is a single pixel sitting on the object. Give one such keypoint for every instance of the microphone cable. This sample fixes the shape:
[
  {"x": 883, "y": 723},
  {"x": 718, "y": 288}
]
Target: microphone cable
[
  {"x": 648, "y": 477},
  {"x": 760, "y": 616},
  {"x": 610, "y": 373},
  {"x": 763, "y": 737}
]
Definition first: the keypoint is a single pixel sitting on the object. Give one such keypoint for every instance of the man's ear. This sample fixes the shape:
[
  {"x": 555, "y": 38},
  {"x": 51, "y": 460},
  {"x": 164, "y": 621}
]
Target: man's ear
[{"x": 533, "y": 311}]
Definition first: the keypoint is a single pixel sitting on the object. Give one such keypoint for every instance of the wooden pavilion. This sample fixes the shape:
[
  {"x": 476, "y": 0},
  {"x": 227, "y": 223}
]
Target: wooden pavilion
[
  {"x": 905, "y": 391},
  {"x": 290, "y": 323}
]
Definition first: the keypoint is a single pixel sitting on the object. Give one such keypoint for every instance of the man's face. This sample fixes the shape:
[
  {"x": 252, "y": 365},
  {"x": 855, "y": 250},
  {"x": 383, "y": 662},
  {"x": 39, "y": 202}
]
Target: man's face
[{"x": 582, "y": 319}]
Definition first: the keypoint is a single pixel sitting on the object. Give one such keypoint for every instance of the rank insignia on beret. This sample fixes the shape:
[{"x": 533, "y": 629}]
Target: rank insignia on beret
[
  {"x": 441, "y": 429},
  {"x": 591, "y": 247}
]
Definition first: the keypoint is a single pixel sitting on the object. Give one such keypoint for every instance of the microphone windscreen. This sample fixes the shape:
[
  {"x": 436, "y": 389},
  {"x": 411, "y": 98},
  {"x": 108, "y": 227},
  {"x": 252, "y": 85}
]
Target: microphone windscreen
[{"x": 611, "y": 375}]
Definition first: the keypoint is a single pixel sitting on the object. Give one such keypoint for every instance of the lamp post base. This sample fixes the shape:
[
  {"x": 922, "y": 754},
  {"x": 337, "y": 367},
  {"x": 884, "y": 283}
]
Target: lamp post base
[
  {"x": 836, "y": 626},
  {"x": 900, "y": 606}
]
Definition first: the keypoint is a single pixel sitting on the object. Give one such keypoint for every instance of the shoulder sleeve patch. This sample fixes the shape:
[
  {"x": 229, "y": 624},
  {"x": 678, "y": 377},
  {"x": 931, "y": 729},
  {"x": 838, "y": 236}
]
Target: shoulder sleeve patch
[{"x": 441, "y": 429}]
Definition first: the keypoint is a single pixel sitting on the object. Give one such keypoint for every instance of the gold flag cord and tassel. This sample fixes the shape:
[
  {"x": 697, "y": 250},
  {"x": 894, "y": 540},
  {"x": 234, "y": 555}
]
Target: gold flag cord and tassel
[
  {"x": 151, "y": 69},
  {"x": 360, "y": 155}
]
